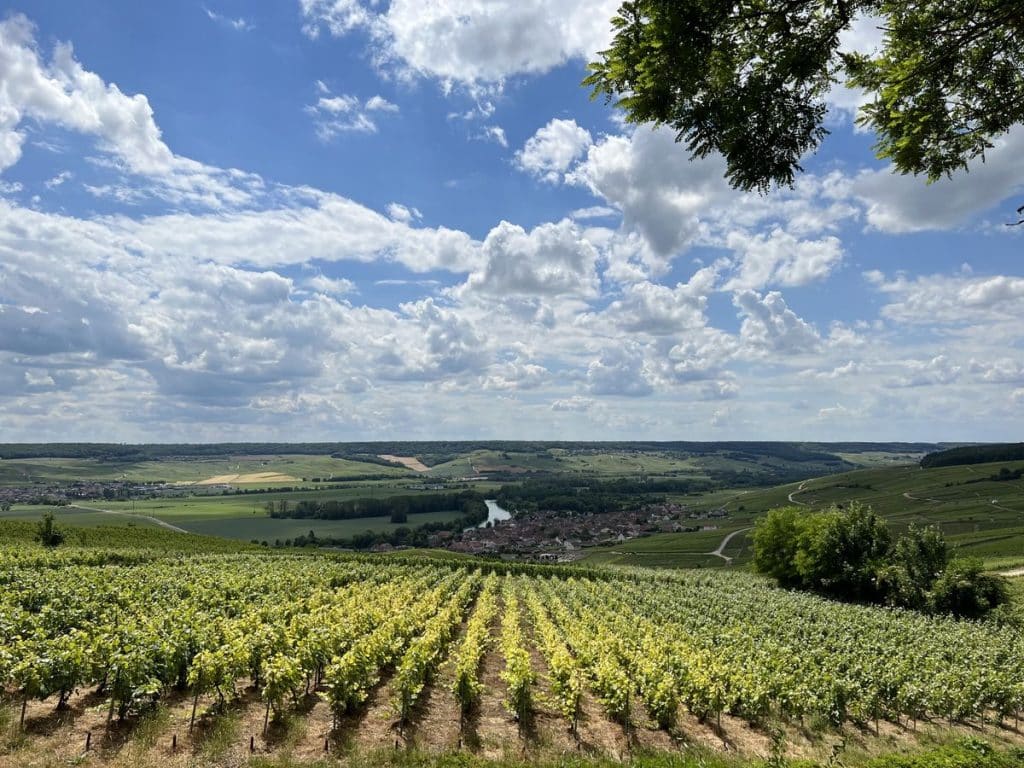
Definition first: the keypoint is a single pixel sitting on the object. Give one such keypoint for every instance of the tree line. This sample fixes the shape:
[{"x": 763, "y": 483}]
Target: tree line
[
  {"x": 974, "y": 454},
  {"x": 397, "y": 507}
]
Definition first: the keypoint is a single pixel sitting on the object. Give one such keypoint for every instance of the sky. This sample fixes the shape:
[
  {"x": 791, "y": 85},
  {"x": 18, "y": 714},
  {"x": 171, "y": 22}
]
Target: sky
[{"x": 376, "y": 220}]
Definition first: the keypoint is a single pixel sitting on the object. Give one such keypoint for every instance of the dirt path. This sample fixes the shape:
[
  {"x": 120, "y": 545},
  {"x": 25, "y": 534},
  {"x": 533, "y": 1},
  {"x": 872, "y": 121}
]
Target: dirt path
[
  {"x": 130, "y": 515},
  {"x": 725, "y": 542},
  {"x": 799, "y": 488},
  {"x": 1012, "y": 572}
]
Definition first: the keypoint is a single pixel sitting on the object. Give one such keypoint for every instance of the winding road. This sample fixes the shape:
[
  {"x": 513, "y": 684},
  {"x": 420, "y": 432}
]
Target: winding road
[{"x": 159, "y": 522}]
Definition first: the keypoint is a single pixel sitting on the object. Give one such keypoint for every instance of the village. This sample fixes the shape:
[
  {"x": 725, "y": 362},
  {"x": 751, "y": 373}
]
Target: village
[{"x": 552, "y": 537}]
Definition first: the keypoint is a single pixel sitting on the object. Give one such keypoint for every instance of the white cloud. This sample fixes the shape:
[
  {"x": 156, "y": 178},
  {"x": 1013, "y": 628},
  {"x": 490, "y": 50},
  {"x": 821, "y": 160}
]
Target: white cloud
[
  {"x": 550, "y": 260},
  {"x": 337, "y": 286},
  {"x": 337, "y": 16},
  {"x": 864, "y": 35},
  {"x": 778, "y": 258},
  {"x": 404, "y": 214},
  {"x": 899, "y": 203},
  {"x": 59, "y": 179},
  {"x": 771, "y": 325},
  {"x": 471, "y": 41},
  {"x": 62, "y": 92},
  {"x": 494, "y": 133},
  {"x": 553, "y": 148},
  {"x": 380, "y": 104},
  {"x": 658, "y": 310},
  {"x": 922, "y": 373},
  {"x": 951, "y": 299},
  {"x": 343, "y": 113},
  {"x": 620, "y": 371},
  {"x": 593, "y": 212},
  {"x": 662, "y": 194},
  {"x": 1002, "y": 371}
]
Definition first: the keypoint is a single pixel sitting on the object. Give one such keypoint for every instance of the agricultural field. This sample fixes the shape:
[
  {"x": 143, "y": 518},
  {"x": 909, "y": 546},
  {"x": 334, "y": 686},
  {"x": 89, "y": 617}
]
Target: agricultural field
[
  {"x": 281, "y": 659},
  {"x": 240, "y": 520},
  {"x": 249, "y": 471}
]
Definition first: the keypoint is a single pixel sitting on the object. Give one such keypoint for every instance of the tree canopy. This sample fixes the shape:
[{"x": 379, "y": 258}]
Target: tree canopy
[
  {"x": 850, "y": 554},
  {"x": 749, "y": 79}
]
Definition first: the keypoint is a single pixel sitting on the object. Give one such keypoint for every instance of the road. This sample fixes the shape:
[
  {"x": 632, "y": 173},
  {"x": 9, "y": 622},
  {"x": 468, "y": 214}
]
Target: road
[
  {"x": 725, "y": 542},
  {"x": 161, "y": 523}
]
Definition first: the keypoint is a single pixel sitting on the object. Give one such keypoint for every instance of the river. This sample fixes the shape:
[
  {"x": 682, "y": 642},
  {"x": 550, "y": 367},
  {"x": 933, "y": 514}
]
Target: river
[{"x": 495, "y": 514}]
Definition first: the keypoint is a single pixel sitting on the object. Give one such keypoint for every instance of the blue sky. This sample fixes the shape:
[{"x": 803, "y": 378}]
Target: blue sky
[{"x": 336, "y": 219}]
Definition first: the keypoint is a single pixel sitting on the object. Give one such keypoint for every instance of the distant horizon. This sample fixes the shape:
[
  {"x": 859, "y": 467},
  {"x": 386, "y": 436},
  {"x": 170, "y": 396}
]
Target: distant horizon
[{"x": 584, "y": 441}]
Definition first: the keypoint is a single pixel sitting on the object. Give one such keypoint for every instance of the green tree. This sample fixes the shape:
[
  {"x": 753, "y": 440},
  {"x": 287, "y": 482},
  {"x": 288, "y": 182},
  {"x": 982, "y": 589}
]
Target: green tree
[
  {"x": 749, "y": 79},
  {"x": 918, "y": 558},
  {"x": 47, "y": 532},
  {"x": 840, "y": 552},
  {"x": 775, "y": 543}
]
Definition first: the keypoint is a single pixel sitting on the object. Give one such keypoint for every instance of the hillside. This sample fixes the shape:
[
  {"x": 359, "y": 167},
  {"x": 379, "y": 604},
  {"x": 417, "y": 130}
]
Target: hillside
[{"x": 980, "y": 509}]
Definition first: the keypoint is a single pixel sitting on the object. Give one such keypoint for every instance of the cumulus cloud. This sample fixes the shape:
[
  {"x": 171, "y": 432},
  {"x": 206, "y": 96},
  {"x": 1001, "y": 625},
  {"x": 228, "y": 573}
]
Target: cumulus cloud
[
  {"x": 658, "y": 310},
  {"x": 662, "y": 193},
  {"x": 769, "y": 324},
  {"x": 472, "y": 41},
  {"x": 549, "y": 260},
  {"x": 779, "y": 258},
  {"x": 620, "y": 371},
  {"x": 950, "y": 299},
  {"x": 338, "y": 286},
  {"x": 553, "y": 148}
]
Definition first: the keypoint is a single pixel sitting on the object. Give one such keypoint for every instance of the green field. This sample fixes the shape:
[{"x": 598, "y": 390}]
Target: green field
[
  {"x": 228, "y": 521},
  {"x": 269, "y": 529}
]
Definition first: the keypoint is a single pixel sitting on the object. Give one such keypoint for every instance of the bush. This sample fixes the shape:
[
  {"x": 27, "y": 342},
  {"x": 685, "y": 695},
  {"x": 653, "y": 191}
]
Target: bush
[{"x": 963, "y": 590}]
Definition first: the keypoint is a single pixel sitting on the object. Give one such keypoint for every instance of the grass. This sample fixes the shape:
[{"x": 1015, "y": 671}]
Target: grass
[{"x": 221, "y": 735}]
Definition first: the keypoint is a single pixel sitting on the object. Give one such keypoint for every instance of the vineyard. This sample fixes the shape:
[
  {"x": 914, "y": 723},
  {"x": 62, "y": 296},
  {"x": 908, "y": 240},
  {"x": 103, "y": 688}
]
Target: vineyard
[{"x": 452, "y": 655}]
